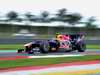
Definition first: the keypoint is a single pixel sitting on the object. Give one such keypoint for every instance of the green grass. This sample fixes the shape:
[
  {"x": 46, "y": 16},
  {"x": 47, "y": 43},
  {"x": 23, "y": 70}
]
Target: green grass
[
  {"x": 18, "y": 46},
  {"x": 44, "y": 61},
  {"x": 93, "y": 46},
  {"x": 11, "y": 46}
]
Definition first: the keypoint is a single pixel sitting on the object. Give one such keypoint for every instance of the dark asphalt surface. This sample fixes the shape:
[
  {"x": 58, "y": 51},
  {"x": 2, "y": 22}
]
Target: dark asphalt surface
[{"x": 13, "y": 54}]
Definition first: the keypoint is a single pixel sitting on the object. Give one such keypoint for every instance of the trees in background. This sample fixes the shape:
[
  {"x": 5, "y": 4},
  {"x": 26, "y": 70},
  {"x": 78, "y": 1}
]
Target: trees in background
[
  {"x": 44, "y": 16},
  {"x": 90, "y": 22},
  {"x": 61, "y": 16},
  {"x": 12, "y": 15},
  {"x": 29, "y": 17},
  {"x": 71, "y": 18},
  {"x": 74, "y": 18}
]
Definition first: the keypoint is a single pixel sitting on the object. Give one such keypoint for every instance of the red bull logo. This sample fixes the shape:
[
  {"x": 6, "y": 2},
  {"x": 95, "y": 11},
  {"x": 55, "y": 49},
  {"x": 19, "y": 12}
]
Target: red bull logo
[{"x": 62, "y": 37}]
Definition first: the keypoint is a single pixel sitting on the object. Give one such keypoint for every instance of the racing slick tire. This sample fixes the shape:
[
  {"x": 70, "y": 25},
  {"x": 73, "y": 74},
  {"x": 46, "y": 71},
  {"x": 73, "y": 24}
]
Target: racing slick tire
[
  {"x": 20, "y": 50},
  {"x": 81, "y": 47},
  {"x": 44, "y": 47}
]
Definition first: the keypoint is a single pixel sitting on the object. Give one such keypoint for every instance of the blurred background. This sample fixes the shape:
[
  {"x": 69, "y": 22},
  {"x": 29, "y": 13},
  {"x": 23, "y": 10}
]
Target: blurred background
[{"x": 22, "y": 27}]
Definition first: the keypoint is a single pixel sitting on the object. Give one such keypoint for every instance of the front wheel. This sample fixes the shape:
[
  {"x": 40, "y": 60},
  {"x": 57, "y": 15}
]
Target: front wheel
[
  {"x": 44, "y": 47},
  {"x": 20, "y": 50}
]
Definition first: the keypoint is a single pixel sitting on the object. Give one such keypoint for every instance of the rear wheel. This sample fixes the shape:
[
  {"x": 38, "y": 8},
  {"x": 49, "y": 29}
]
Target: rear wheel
[{"x": 81, "y": 48}]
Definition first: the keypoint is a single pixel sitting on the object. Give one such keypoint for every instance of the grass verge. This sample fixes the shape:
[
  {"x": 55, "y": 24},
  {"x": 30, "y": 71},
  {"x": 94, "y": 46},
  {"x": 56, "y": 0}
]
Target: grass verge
[
  {"x": 93, "y": 46},
  {"x": 44, "y": 61},
  {"x": 11, "y": 46}
]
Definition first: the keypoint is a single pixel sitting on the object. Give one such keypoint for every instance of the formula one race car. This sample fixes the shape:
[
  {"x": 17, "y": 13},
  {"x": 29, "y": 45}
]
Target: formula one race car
[{"x": 62, "y": 42}]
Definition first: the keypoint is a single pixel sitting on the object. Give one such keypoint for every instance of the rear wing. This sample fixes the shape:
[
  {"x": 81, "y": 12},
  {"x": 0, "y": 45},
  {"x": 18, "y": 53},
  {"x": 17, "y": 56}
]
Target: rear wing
[
  {"x": 75, "y": 36},
  {"x": 68, "y": 36}
]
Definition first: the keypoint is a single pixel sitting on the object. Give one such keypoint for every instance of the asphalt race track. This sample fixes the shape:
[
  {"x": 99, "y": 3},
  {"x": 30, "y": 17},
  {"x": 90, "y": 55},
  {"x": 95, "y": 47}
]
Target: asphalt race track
[
  {"x": 7, "y": 53},
  {"x": 80, "y": 68}
]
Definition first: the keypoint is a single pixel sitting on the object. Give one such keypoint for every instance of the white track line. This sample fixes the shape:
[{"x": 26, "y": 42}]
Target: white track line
[{"x": 55, "y": 56}]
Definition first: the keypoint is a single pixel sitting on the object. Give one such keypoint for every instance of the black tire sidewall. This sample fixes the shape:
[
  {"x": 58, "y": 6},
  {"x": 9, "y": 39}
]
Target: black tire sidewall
[{"x": 81, "y": 47}]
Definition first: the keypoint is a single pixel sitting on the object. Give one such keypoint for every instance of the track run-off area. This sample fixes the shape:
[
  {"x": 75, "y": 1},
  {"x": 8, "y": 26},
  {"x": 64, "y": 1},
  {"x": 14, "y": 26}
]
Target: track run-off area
[
  {"x": 74, "y": 68},
  {"x": 11, "y": 54}
]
